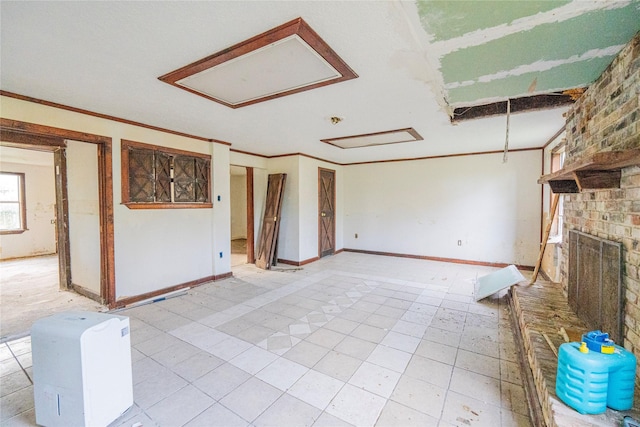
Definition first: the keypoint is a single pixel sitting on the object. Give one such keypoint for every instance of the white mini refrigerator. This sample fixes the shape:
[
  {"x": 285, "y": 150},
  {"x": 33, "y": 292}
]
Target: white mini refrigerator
[{"x": 81, "y": 369}]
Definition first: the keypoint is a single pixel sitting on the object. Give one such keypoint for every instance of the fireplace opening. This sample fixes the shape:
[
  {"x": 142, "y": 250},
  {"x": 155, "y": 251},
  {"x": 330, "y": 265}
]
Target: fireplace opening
[{"x": 595, "y": 283}]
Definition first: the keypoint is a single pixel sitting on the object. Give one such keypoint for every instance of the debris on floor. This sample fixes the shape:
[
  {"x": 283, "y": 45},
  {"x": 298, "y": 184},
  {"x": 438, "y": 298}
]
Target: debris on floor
[{"x": 497, "y": 281}]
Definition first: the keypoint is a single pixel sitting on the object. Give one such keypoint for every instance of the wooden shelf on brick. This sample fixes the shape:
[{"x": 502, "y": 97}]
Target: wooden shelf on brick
[{"x": 598, "y": 171}]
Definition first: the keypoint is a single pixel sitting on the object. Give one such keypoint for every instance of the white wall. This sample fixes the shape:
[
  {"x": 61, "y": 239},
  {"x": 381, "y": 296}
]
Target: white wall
[
  {"x": 84, "y": 214},
  {"x": 155, "y": 248},
  {"x": 238, "y": 207},
  {"x": 423, "y": 207},
  {"x": 39, "y": 238}
]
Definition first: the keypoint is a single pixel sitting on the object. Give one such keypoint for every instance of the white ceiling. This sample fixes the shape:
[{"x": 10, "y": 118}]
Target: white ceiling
[{"x": 106, "y": 57}]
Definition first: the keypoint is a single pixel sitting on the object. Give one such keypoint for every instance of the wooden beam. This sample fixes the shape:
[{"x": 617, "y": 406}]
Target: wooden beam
[
  {"x": 588, "y": 179},
  {"x": 564, "y": 186},
  {"x": 527, "y": 103}
]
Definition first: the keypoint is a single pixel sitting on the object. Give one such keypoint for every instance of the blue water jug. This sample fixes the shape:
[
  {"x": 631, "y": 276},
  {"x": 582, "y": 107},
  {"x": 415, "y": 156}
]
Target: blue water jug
[{"x": 589, "y": 380}]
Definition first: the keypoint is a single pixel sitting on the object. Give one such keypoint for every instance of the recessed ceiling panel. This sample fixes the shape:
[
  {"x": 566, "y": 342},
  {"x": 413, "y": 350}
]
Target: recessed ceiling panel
[
  {"x": 378, "y": 138},
  {"x": 286, "y": 60}
]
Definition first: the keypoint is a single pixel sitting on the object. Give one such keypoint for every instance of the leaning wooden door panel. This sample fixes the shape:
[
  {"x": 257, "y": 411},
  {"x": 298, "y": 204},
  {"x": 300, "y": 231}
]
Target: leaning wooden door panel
[
  {"x": 271, "y": 221},
  {"x": 326, "y": 214}
]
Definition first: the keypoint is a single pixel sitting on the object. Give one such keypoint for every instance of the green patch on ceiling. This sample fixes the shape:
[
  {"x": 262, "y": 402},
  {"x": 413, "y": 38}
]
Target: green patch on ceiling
[
  {"x": 449, "y": 19},
  {"x": 592, "y": 31},
  {"x": 565, "y": 76}
]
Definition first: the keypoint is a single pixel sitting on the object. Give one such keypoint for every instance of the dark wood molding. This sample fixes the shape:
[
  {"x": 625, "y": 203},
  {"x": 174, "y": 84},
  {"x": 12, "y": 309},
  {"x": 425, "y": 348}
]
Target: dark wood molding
[
  {"x": 431, "y": 258},
  {"x": 126, "y": 143},
  {"x": 15, "y": 126},
  {"x": 598, "y": 171},
  {"x": 134, "y": 205},
  {"x": 21, "y": 139},
  {"x": 62, "y": 220},
  {"x": 298, "y": 263},
  {"x": 123, "y": 302},
  {"x": 107, "y": 234},
  {"x": 527, "y": 103},
  {"x": 443, "y": 156},
  {"x": 86, "y": 293},
  {"x": 233, "y": 150},
  {"x": 106, "y": 117},
  {"x": 295, "y": 27}
]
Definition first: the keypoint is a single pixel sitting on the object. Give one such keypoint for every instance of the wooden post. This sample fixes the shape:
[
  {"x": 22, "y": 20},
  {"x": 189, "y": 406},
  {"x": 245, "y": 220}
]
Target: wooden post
[{"x": 545, "y": 237}]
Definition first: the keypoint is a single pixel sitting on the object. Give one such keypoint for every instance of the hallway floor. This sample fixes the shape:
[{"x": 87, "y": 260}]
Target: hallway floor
[
  {"x": 29, "y": 290},
  {"x": 352, "y": 339}
]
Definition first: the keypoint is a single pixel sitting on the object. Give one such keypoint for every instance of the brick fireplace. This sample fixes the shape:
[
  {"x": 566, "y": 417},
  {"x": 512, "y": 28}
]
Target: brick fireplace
[{"x": 606, "y": 118}]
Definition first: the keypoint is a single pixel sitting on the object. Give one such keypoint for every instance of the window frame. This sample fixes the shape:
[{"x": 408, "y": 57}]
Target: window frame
[
  {"x": 22, "y": 203},
  {"x": 557, "y": 162},
  {"x": 125, "y": 147}
]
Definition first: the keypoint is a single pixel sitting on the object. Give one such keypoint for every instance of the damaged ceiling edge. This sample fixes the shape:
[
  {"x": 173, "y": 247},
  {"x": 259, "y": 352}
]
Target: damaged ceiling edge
[
  {"x": 527, "y": 103},
  {"x": 419, "y": 38}
]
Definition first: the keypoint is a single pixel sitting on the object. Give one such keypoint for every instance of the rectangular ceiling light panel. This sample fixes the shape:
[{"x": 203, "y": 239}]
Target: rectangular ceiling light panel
[
  {"x": 286, "y": 60},
  {"x": 284, "y": 66},
  {"x": 379, "y": 138}
]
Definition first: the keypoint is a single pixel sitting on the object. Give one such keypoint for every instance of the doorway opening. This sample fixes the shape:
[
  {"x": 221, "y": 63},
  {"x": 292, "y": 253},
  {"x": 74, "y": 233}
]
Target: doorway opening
[
  {"x": 82, "y": 212},
  {"x": 242, "y": 228},
  {"x": 31, "y": 287}
]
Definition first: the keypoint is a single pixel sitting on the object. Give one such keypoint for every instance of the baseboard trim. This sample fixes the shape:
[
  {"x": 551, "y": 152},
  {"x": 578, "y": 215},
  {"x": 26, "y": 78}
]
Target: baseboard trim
[
  {"x": 298, "y": 263},
  {"x": 86, "y": 293},
  {"x": 192, "y": 284},
  {"x": 433, "y": 258}
]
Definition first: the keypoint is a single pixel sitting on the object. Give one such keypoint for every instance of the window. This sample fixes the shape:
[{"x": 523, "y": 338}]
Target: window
[
  {"x": 13, "y": 218},
  {"x": 159, "y": 177}
]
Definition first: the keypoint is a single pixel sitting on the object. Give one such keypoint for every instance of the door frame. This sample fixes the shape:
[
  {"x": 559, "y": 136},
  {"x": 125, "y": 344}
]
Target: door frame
[
  {"x": 333, "y": 204},
  {"x": 21, "y": 134}
]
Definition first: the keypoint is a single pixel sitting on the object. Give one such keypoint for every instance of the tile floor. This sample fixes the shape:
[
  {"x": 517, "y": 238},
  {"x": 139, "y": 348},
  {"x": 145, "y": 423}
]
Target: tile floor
[{"x": 352, "y": 339}]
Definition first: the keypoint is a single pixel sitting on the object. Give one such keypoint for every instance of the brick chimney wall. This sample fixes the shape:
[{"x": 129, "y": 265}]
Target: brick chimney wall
[{"x": 606, "y": 118}]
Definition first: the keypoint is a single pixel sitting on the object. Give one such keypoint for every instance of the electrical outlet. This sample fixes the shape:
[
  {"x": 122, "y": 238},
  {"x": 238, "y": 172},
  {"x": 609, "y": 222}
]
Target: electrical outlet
[
  {"x": 459, "y": 242},
  {"x": 356, "y": 235}
]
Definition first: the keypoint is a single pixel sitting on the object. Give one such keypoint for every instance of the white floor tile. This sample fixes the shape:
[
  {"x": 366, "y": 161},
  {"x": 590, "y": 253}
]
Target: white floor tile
[
  {"x": 282, "y": 373},
  {"x": 356, "y": 406},
  {"x": 253, "y": 360},
  {"x": 429, "y": 370},
  {"x": 464, "y": 410},
  {"x": 376, "y": 379},
  {"x": 251, "y": 399},
  {"x": 390, "y": 358},
  {"x": 395, "y": 414},
  {"x": 316, "y": 389},
  {"x": 401, "y": 342},
  {"x": 288, "y": 411},
  {"x": 478, "y": 386},
  {"x": 419, "y": 395},
  {"x": 221, "y": 381},
  {"x": 217, "y": 416},
  {"x": 190, "y": 401}
]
